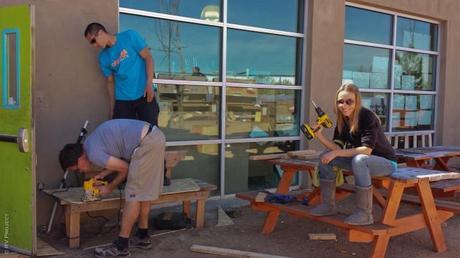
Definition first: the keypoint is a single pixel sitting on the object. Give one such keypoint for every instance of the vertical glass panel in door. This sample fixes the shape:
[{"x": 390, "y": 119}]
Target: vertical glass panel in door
[
  {"x": 256, "y": 113},
  {"x": 201, "y": 162},
  {"x": 414, "y": 71},
  {"x": 413, "y": 112},
  {"x": 262, "y": 58},
  {"x": 366, "y": 67},
  {"x": 189, "y": 112},
  {"x": 416, "y": 34},
  {"x": 243, "y": 174},
  {"x": 379, "y": 104},
  {"x": 10, "y": 72},
  {"x": 368, "y": 26},
  {"x": 199, "y": 9},
  {"x": 177, "y": 49},
  {"x": 272, "y": 14}
]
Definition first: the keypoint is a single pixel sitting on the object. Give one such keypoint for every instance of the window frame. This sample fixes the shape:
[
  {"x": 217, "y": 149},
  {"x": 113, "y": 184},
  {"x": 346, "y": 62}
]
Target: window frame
[
  {"x": 394, "y": 48},
  {"x": 300, "y": 71}
]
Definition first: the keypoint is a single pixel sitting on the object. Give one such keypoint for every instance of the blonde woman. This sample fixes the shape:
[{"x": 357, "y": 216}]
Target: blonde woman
[{"x": 359, "y": 145}]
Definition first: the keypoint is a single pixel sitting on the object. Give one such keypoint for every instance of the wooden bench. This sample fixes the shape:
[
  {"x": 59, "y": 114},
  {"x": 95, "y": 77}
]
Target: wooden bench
[{"x": 380, "y": 233}]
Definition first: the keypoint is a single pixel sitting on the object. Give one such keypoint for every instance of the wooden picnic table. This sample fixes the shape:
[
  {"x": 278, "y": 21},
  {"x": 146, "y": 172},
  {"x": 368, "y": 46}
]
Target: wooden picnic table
[
  {"x": 380, "y": 232},
  {"x": 418, "y": 157}
]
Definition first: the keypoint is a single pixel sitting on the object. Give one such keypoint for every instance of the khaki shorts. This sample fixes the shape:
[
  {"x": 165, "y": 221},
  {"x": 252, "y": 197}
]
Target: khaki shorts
[{"x": 146, "y": 169}]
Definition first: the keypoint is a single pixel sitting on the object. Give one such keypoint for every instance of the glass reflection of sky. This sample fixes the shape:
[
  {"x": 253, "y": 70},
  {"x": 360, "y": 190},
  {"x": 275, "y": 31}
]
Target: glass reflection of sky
[
  {"x": 369, "y": 26},
  {"x": 193, "y": 45},
  {"x": 360, "y": 58},
  {"x": 272, "y": 14},
  {"x": 262, "y": 55},
  {"x": 189, "y": 8},
  {"x": 416, "y": 34}
]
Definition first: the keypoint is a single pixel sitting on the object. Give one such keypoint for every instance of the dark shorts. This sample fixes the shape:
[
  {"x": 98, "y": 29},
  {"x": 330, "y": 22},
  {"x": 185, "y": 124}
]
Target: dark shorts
[{"x": 138, "y": 109}]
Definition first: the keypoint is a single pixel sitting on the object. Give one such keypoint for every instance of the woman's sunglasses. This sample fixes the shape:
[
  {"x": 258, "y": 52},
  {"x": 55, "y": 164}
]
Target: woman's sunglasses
[{"x": 349, "y": 102}]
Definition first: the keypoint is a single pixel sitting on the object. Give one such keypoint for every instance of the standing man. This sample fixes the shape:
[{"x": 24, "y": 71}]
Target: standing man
[
  {"x": 127, "y": 64},
  {"x": 134, "y": 150}
]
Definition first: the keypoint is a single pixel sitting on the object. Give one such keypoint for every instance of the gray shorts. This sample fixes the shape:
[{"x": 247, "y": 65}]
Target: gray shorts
[{"x": 146, "y": 169}]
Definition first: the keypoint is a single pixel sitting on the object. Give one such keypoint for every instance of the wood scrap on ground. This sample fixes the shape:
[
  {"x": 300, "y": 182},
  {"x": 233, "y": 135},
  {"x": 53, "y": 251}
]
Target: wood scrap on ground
[
  {"x": 230, "y": 252},
  {"x": 322, "y": 236}
]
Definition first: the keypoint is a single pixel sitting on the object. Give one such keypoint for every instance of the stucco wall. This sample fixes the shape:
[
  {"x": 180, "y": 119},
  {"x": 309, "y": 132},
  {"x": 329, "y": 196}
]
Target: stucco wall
[
  {"x": 326, "y": 47},
  {"x": 68, "y": 87}
]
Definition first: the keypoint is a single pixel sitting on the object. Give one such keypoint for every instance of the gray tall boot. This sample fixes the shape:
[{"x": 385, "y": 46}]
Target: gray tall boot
[
  {"x": 363, "y": 212},
  {"x": 327, "y": 206}
]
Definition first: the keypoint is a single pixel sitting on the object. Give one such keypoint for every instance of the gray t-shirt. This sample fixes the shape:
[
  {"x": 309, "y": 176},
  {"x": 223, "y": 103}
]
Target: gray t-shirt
[{"x": 117, "y": 138}]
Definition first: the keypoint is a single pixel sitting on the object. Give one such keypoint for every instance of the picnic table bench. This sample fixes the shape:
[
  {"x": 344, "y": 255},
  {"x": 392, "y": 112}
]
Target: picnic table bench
[{"x": 380, "y": 232}]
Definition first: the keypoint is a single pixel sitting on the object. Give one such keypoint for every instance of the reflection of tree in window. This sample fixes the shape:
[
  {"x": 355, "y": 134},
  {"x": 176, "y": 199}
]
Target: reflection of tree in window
[
  {"x": 412, "y": 65},
  {"x": 168, "y": 34}
]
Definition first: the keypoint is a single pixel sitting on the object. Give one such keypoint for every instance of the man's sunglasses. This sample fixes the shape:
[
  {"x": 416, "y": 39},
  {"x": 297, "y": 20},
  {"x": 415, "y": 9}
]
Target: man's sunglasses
[
  {"x": 349, "y": 102},
  {"x": 92, "y": 41}
]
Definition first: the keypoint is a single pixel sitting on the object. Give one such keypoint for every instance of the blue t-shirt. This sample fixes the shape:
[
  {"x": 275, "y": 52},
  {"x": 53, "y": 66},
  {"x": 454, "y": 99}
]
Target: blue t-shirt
[
  {"x": 118, "y": 138},
  {"x": 127, "y": 66}
]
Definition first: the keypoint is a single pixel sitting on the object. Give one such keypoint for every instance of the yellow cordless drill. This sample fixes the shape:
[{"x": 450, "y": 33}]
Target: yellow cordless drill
[{"x": 322, "y": 120}]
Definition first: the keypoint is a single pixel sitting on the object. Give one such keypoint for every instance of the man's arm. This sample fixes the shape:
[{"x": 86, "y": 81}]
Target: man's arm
[
  {"x": 119, "y": 166},
  {"x": 110, "y": 91},
  {"x": 149, "y": 68}
]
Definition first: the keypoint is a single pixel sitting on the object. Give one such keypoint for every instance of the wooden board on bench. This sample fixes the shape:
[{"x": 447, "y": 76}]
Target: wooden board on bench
[
  {"x": 75, "y": 194},
  {"x": 409, "y": 173}
]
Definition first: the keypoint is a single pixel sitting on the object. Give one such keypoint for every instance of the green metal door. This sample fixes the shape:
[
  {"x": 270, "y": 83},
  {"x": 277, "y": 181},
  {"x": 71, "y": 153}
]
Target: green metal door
[{"x": 16, "y": 173}]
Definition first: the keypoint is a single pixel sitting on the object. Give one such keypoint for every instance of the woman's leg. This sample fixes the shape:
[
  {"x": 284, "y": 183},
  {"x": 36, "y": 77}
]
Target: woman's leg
[
  {"x": 327, "y": 185},
  {"x": 365, "y": 166}
]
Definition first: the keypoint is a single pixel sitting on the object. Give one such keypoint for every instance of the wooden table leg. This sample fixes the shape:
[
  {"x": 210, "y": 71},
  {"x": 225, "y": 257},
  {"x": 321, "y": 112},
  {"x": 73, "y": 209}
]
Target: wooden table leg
[
  {"x": 441, "y": 163},
  {"x": 200, "y": 212},
  {"x": 380, "y": 246},
  {"x": 186, "y": 208},
  {"x": 72, "y": 223},
  {"x": 392, "y": 203},
  {"x": 431, "y": 215},
  {"x": 270, "y": 221},
  {"x": 286, "y": 179}
]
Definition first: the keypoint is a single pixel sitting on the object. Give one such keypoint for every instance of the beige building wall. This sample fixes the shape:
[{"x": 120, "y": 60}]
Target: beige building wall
[
  {"x": 68, "y": 87},
  {"x": 326, "y": 40}
]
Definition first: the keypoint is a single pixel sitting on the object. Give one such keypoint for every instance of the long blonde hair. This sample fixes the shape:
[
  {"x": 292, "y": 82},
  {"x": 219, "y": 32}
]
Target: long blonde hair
[{"x": 348, "y": 87}]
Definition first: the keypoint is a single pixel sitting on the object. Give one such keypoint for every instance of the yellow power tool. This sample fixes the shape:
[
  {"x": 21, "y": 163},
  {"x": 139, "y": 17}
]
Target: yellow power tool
[
  {"x": 322, "y": 120},
  {"x": 92, "y": 193}
]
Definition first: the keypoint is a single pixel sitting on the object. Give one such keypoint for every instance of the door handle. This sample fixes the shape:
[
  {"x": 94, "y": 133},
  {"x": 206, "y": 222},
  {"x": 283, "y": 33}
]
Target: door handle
[{"x": 22, "y": 139}]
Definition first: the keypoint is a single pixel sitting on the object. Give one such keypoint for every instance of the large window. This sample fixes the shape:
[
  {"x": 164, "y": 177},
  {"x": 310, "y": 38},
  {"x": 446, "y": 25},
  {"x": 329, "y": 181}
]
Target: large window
[
  {"x": 393, "y": 60},
  {"x": 229, "y": 81}
]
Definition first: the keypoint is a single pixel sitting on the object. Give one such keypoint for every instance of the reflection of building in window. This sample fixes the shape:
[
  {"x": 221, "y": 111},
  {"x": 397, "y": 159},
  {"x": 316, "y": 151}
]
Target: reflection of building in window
[{"x": 210, "y": 13}]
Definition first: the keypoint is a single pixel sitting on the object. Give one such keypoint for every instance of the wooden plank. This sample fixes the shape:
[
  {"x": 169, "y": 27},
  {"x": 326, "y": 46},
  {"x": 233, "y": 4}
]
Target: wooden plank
[
  {"x": 269, "y": 156},
  {"x": 392, "y": 203},
  {"x": 446, "y": 185},
  {"x": 44, "y": 249},
  {"x": 409, "y": 173},
  {"x": 304, "y": 154},
  {"x": 322, "y": 236},
  {"x": 75, "y": 194},
  {"x": 72, "y": 222},
  {"x": 430, "y": 213},
  {"x": 359, "y": 236},
  {"x": 230, "y": 252}
]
